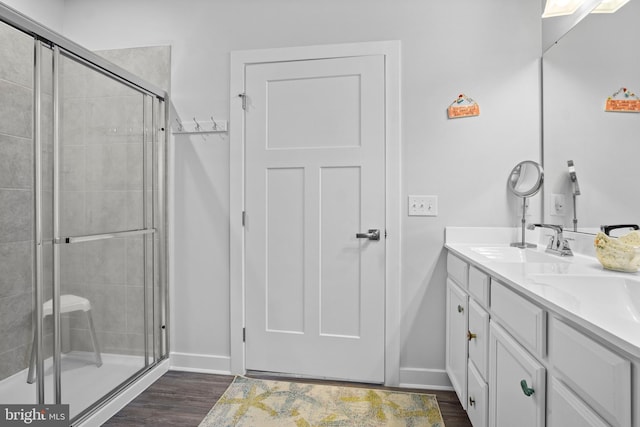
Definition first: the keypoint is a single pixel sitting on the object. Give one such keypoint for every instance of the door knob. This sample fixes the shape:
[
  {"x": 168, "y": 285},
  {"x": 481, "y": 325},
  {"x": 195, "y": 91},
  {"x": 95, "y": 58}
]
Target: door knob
[
  {"x": 372, "y": 234},
  {"x": 471, "y": 335}
]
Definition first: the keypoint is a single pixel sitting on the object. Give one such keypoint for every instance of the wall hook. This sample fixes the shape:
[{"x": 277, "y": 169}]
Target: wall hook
[
  {"x": 180, "y": 127},
  {"x": 215, "y": 125},
  {"x": 197, "y": 124}
]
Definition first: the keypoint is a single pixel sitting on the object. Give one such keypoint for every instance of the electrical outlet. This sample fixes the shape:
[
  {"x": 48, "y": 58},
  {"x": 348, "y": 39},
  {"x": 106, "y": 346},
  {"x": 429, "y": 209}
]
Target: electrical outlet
[
  {"x": 558, "y": 205},
  {"x": 423, "y": 205}
]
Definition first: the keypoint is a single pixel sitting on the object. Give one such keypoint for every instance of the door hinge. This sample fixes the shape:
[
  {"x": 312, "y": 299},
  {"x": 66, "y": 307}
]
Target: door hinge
[
  {"x": 244, "y": 218},
  {"x": 244, "y": 334},
  {"x": 244, "y": 100}
]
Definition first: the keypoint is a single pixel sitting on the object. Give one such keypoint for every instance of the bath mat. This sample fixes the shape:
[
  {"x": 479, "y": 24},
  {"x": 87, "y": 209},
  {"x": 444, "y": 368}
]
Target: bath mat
[{"x": 252, "y": 402}]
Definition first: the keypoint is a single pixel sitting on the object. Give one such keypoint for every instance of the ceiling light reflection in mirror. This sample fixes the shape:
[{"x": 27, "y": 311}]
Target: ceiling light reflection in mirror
[{"x": 609, "y": 6}]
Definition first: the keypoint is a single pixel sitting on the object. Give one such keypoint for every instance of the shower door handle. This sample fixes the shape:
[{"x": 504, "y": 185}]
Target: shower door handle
[
  {"x": 104, "y": 236},
  {"x": 372, "y": 234}
]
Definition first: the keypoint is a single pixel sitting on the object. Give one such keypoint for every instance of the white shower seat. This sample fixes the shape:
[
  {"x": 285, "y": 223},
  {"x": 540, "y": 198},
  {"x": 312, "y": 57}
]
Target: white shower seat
[{"x": 68, "y": 304}]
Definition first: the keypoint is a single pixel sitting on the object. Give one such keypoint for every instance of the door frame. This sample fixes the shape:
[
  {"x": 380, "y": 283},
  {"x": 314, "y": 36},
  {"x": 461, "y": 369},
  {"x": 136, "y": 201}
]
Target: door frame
[{"x": 239, "y": 61}]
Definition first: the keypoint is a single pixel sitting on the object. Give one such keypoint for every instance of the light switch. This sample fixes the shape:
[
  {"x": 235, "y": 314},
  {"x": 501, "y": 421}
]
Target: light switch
[{"x": 423, "y": 205}]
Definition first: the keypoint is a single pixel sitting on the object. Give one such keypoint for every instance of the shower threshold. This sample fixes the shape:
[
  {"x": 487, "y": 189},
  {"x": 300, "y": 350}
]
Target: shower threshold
[{"x": 83, "y": 383}]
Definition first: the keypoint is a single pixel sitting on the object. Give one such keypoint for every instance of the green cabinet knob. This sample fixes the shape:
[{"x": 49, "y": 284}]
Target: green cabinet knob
[{"x": 525, "y": 388}]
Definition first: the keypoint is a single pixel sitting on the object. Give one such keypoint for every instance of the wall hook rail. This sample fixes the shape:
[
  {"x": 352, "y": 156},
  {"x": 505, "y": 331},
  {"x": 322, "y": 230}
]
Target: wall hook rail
[{"x": 201, "y": 126}]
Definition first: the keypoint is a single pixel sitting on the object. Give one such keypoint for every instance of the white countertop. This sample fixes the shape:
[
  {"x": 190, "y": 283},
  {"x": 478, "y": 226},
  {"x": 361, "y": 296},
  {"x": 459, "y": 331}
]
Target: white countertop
[{"x": 605, "y": 302}]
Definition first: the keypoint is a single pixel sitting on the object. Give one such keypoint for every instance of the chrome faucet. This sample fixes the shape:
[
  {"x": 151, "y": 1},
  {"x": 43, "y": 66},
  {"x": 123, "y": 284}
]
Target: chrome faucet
[{"x": 558, "y": 245}]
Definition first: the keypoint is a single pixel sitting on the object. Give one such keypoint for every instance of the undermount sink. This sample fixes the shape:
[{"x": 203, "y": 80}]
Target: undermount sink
[{"x": 516, "y": 255}]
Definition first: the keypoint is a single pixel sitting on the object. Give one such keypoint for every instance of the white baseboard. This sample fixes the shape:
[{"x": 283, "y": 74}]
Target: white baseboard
[
  {"x": 130, "y": 393},
  {"x": 204, "y": 363},
  {"x": 432, "y": 379}
]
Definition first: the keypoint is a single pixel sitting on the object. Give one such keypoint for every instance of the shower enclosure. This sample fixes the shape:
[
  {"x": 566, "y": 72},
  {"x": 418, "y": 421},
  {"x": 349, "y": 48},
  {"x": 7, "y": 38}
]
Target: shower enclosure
[{"x": 83, "y": 307}]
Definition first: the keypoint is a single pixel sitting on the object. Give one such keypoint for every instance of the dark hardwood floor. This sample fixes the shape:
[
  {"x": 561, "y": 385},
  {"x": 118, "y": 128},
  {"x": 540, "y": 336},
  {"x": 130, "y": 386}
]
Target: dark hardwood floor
[
  {"x": 184, "y": 398},
  {"x": 176, "y": 399}
]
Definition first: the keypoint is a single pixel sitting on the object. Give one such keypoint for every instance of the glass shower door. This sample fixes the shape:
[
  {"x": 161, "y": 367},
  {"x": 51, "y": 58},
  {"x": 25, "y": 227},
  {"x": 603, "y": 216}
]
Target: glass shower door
[{"x": 104, "y": 232}]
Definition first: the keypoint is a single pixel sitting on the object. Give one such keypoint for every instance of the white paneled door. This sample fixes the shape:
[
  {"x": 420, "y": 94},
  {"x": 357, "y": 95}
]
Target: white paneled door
[{"x": 315, "y": 177}]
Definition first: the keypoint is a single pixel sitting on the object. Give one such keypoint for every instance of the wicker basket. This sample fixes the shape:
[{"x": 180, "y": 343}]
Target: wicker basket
[{"x": 618, "y": 254}]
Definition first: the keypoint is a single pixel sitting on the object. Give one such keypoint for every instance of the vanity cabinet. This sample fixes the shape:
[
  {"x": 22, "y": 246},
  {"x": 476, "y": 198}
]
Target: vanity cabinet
[
  {"x": 467, "y": 337},
  {"x": 513, "y": 361}
]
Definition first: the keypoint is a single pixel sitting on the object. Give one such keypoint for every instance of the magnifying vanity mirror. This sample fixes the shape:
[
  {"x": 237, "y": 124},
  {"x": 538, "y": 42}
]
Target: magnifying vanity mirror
[
  {"x": 525, "y": 180},
  {"x": 585, "y": 67}
]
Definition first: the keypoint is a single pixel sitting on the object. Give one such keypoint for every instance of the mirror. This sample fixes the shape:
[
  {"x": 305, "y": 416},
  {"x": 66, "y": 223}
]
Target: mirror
[
  {"x": 589, "y": 64},
  {"x": 526, "y": 178},
  {"x": 524, "y": 181}
]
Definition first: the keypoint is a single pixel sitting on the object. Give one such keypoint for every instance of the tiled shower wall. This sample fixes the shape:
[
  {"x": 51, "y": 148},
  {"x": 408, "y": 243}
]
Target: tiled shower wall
[{"x": 16, "y": 198}]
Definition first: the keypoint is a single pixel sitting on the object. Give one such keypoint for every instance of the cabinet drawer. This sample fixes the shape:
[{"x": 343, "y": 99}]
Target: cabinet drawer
[
  {"x": 458, "y": 270},
  {"x": 479, "y": 286},
  {"x": 478, "y": 337},
  {"x": 477, "y": 410},
  {"x": 598, "y": 376},
  {"x": 525, "y": 320},
  {"x": 564, "y": 409}
]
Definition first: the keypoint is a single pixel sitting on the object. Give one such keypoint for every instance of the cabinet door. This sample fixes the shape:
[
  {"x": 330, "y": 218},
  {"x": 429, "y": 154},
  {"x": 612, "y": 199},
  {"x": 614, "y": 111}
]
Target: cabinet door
[
  {"x": 478, "y": 398},
  {"x": 597, "y": 375},
  {"x": 478, "y": 337},
  {"x": 456, "y": 346},
  {"x": 516, "y": 383},
  {"x": 566, "y": 410}
]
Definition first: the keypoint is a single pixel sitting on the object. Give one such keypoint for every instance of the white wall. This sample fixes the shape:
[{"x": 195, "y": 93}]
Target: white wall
[
  {"x": 488, "y": 50},
  {"x": 49, "y": 13}
]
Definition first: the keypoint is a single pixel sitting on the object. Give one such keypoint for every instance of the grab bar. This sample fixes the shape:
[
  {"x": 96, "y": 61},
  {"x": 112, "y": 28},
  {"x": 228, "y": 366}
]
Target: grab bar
[{"x": 94, "y": 237}]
